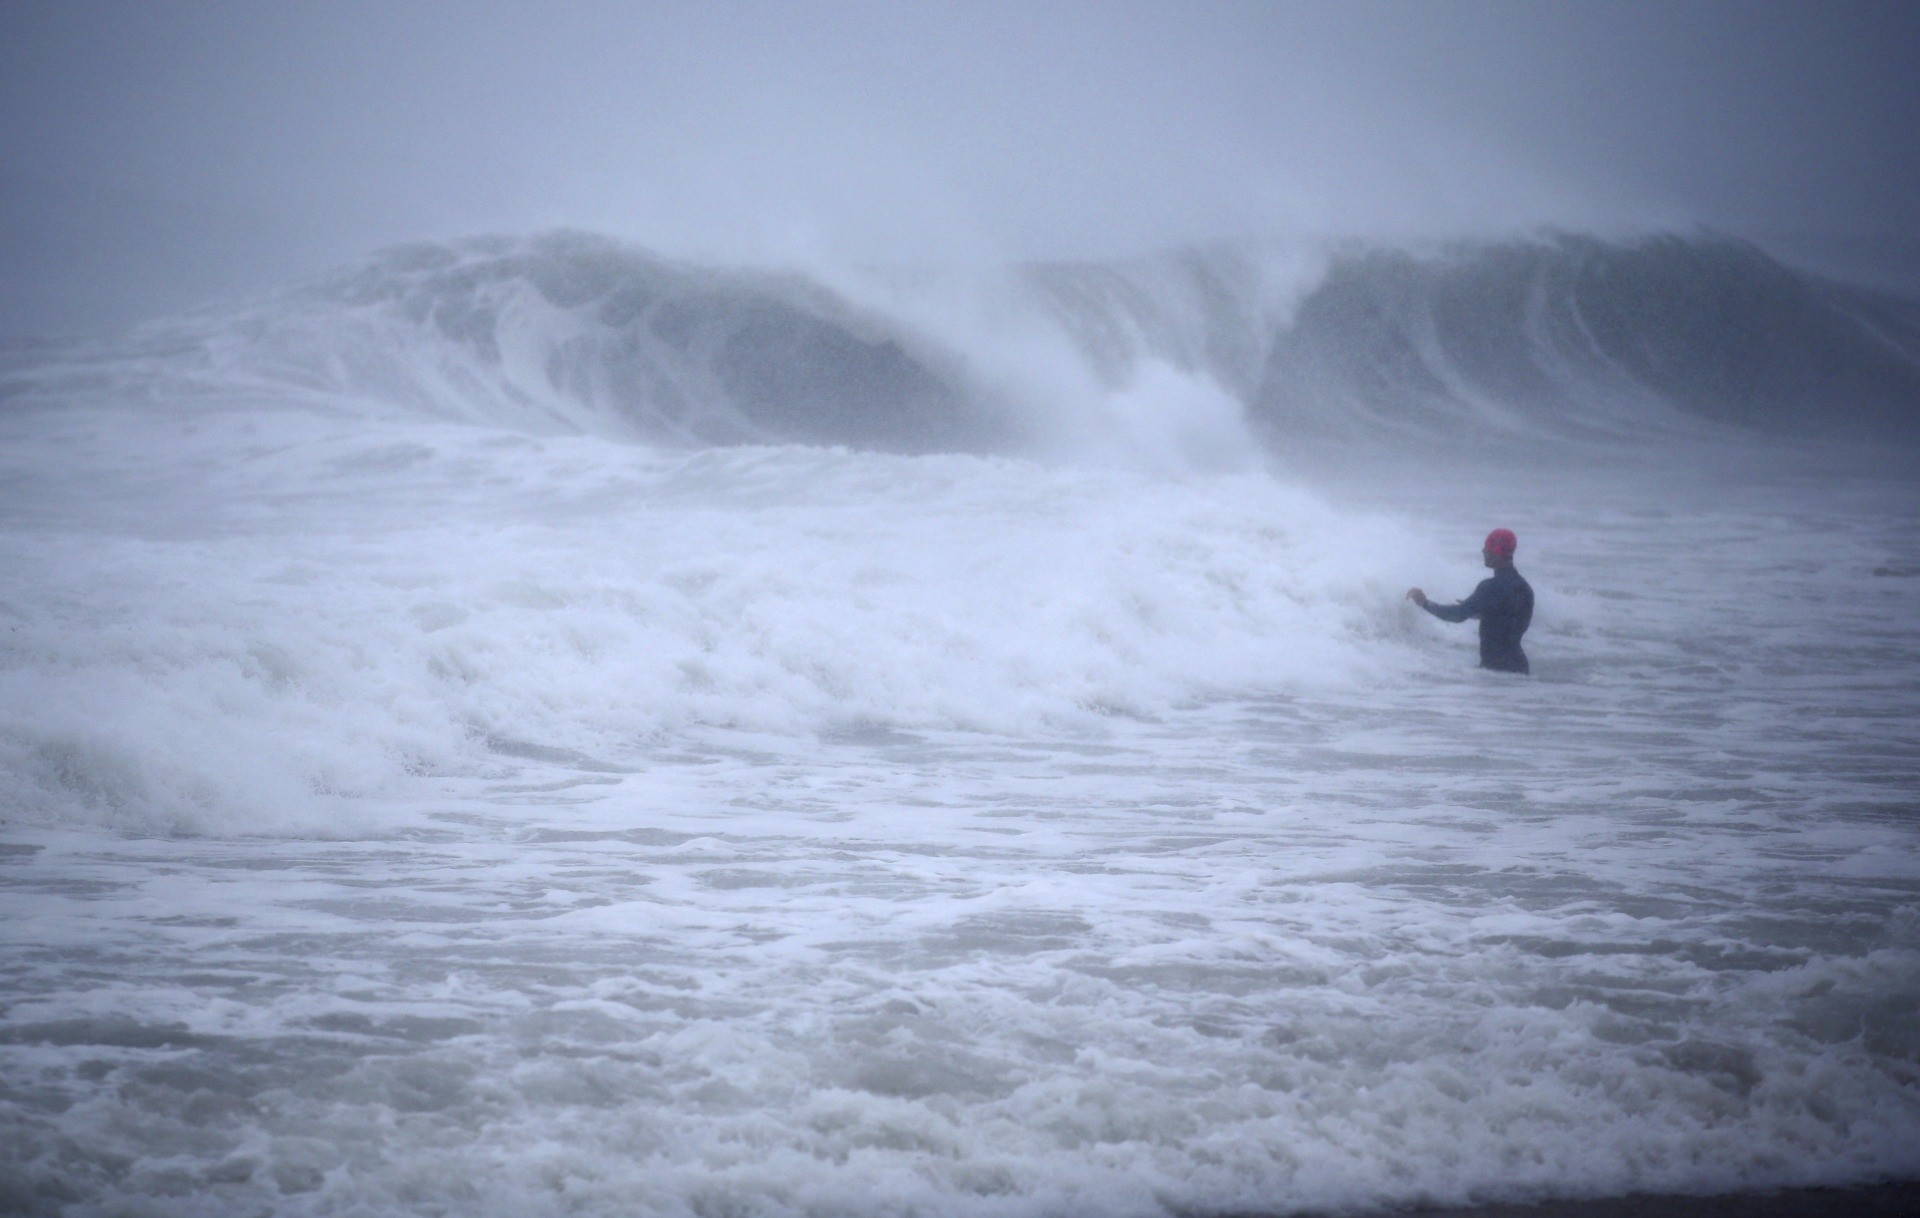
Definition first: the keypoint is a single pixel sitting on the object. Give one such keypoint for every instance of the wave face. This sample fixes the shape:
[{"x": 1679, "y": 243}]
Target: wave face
[
  {"x": 1584, "y": 334},
  {"x": 612, "y": 338}
]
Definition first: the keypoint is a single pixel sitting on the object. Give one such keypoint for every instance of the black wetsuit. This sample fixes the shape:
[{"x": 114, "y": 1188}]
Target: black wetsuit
[{"x": 1504, "y": 605}]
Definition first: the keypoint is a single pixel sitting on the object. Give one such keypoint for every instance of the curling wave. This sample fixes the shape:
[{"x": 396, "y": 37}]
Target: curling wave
[{"x": 1580, "y": 334}]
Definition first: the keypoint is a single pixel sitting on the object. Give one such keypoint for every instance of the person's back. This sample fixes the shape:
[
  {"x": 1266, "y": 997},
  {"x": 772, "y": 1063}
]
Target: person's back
[
  {"x": 1504, "y": 605},
  {"x": 1503, "y": 602}
]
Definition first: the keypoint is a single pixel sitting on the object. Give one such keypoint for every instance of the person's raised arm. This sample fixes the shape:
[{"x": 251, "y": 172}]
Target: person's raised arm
[{"x": 1471, "y": 607}]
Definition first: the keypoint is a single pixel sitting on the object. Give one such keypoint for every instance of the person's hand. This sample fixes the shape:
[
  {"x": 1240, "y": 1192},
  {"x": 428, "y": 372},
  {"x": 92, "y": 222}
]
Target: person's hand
[{"x": 1417, "y": 597}]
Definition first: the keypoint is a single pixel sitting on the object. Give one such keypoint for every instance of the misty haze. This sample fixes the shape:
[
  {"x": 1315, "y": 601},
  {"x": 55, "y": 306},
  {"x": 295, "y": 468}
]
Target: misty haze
[{"x": 803, "y": 610}]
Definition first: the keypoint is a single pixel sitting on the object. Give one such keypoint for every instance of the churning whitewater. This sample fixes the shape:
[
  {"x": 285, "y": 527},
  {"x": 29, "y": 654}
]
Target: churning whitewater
[{"x": 527, "y": 727}]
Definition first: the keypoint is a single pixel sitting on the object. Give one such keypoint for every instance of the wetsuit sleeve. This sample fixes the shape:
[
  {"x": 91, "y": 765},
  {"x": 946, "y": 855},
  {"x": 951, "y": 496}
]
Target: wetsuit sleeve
[{"x": 1473, "y": 606}]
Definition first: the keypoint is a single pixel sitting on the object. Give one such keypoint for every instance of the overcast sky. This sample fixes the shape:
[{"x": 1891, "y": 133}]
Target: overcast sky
[{"x": 234, "y": 140}]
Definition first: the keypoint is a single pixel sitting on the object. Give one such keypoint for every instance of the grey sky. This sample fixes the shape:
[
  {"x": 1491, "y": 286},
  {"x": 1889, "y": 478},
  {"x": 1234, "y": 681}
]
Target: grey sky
[{"x": 254, "y": 138}]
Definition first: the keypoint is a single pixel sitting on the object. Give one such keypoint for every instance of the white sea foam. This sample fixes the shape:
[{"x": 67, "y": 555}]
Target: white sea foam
[
  {"x": 411, "y": 816},
  {"x": 327, "y": 610}
]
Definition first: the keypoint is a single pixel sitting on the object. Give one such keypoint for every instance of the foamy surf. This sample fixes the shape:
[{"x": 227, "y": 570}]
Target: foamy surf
[{"x": 419, "y": 800}]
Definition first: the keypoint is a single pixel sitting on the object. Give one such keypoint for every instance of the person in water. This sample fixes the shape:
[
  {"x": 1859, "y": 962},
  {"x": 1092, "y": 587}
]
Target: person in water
[{"x": 1503, "y": 603}]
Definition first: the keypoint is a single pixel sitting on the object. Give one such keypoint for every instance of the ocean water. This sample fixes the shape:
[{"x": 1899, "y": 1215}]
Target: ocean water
[{"x": 422, "y": 796}]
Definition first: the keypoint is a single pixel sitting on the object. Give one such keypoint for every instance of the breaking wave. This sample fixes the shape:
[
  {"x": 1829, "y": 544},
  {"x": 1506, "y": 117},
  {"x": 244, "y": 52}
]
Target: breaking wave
[{"x": 1194, "y": 353}]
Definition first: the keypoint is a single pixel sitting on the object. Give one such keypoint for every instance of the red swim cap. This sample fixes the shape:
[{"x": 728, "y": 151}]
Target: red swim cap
[{"x": 1502, "y": 542}]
